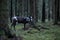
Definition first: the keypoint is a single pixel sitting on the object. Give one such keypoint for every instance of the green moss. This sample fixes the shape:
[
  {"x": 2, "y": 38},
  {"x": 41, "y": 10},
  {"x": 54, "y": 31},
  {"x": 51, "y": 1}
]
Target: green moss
[{"x": 52, "y": 34}]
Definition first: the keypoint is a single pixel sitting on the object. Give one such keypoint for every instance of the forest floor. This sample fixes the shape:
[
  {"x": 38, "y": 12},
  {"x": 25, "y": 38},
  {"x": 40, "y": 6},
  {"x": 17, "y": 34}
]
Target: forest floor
[{"x": 53, "y": 33}]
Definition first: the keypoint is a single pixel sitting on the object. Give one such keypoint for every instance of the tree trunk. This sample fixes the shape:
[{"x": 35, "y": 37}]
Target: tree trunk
[
  {"x": 16, "y": 13},
  {"x": 4, "y": 18},
  {"x": 56, "y": 11},
  {"x": 19, "y": 8},
  {"x": 22, "y": 8},
  {"x": 33, "y": 10},
  {"x": 59, "y": 10},
  {"x": 43, "y": 11},
  {"x": 11, "y": 14},
  {"x": 36, "y": 11},
  {"x": 49, "y": 10}
]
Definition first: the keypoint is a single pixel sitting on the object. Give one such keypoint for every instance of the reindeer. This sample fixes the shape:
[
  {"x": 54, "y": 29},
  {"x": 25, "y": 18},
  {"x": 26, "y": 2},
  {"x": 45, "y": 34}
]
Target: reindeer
[{"x": 22, "y": 20}]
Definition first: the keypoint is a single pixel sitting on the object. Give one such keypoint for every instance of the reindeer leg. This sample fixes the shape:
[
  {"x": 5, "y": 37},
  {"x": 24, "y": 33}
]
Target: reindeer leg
[
  {"x": 11, "y": 25},
  {"x": 24, "y": 26},
  {"x": 14, "y": 26}
]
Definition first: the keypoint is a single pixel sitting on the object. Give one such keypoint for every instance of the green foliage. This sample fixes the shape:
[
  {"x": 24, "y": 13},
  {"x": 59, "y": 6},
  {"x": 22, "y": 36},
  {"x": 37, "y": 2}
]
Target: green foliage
[
  {"x": 32, "y": 34},
  {"x": 32, "y": 31},
  {"x": 1, "y": 32}
]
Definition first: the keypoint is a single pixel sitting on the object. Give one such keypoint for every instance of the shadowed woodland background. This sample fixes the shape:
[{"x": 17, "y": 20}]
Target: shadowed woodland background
[{"x": 46, "y": 15}]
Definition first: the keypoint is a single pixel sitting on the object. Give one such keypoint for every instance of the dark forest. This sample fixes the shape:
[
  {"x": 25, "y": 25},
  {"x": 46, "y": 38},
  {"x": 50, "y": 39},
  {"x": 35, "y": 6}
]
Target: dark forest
[{"x": 29, "y": 19}]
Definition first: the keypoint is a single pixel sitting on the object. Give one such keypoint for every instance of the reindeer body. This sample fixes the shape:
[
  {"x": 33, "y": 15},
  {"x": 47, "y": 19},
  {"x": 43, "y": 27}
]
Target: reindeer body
[{"x": 22, "y": 20}]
